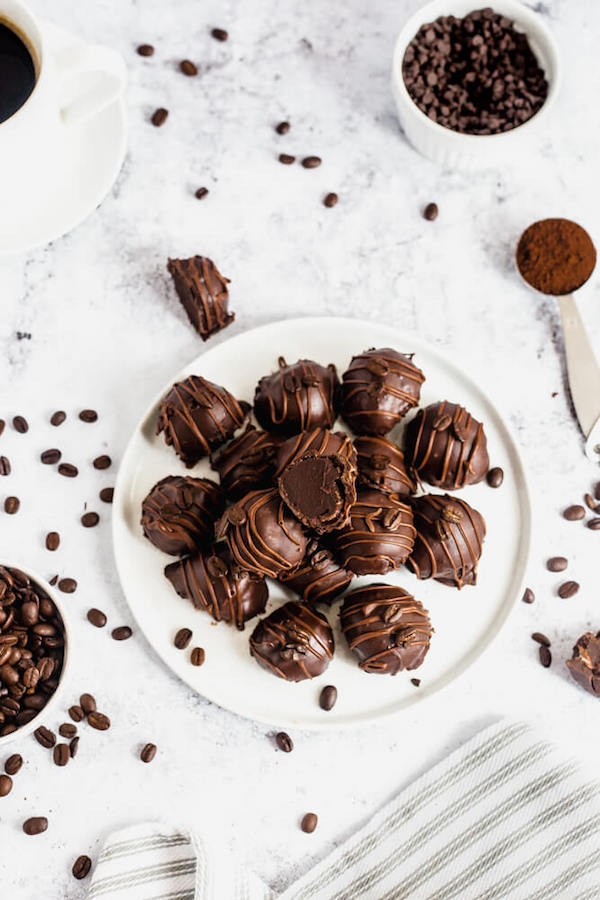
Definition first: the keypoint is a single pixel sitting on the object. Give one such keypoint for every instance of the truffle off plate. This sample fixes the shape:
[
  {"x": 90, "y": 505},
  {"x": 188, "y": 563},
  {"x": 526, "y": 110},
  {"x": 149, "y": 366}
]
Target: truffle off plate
[{"x": 465, "y": 621}]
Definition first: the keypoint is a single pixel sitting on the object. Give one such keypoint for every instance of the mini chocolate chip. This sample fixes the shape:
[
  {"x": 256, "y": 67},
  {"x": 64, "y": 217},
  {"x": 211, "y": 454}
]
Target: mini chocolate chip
[
  {"x": 96, "y": 617},
  {"x": 148, "y": 753},
  {"x": 309, "y": 823},
  {"x": 197, "y": 656},
  {"x": 430, "y": 212},
  {"x": 284, "y": 742},
  {"x": 122, "y": 633},
  {"x": 145, "y": 50}
]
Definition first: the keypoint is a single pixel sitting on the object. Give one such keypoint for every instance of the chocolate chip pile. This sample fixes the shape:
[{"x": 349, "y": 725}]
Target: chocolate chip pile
[{"x": 475, "y": 75}]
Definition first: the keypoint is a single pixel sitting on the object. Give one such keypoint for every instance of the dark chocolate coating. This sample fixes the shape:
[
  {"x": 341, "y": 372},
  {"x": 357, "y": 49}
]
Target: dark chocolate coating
[
  {"x": 203, "y": 293},
  {"x": 386, "y": 628},
  {"x": 446, "y": 446},
  {"x": 179, "y": 514},
  {"x": 294, "y": 642},
  {"x": 297, "y": 397},
  {"x": 585, "y": 663},
  {"x": 449, "y": 539},
  {"x": 380, "y": 535},
  {"x": 213, "y": 582},
  {"x": 198, "y": 416},
  {"x": 263, "y": 535},
  {"x": 381, "y": 466},
  {"x": 378, "y": 389},
  {"x": 319, "y": 578},
  {"x": 317, "y": 440},
  {"x": 247, "y": 463}
]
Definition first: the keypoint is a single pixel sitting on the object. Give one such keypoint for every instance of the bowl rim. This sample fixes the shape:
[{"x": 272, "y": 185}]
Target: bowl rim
[
  {"x": 524, "y": 18},
  {"x": 29, "y": 727}
]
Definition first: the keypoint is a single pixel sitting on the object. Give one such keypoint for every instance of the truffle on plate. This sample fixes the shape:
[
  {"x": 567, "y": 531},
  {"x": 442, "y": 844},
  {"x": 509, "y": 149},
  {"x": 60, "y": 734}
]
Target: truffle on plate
[
  {"x": 585, "y": 663},
  {"x": 297, "y": 397},
  {"x": 381, "y": 466},
  {"x": 295, "y": 642},
  {"x": 387, "y": 630},
  {"x": 449, "y": 540},
  {"x": 319, "y": 578},
  {"x": 179, "y": 514},
  {"x": 379, "y": 537},
  {"x": 203, "y": 293},
  {"x": 247, "y": 463}
]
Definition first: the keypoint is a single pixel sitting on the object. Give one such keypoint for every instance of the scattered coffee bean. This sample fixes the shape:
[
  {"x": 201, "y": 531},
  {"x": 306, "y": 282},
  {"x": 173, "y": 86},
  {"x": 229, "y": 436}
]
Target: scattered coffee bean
[
  {"x": 13, "y": 764},
  {"x": 53, "y": 580},
  {"x": 430, "y": 213},
  {"x": 495, "y": 477},
  {"x": 6, "y": 784},
  {"x": 2, "y": 425},
  {"x": 11, "y": 505},
  {"x": 45, "y": 737},
  {"x": 182, "y": 638},
  {"x": 568, "y": 589},
  {"x": 590, "y": 502},
  {"x": 49, "y": 457},
  {"x": 594, "y": 524},
  {"x": 102, "y": 462},
  {"x": 145, "y": 50},
  {"x": 74, "y": 747},
  {"x": 201, "y": 193},
  {"x": 35, "y": 825},
  {"x": 597, "y": 490},
  {"x": 286, "y": 159},
  {"x": 58, "y": 418},
  {"x": 309, "y": 823},
  {"x": 88, "y": 415},
  {"x": 96, "y": 617},
  {"x": 52, "y": 540},
  {"x": 540, "y": 638},
  {"x": 148, "y": 753},
  {"x": 328, "y": 697},
  {"x": 574, "y": 513},
  {"x": 219, "y": 34},
  {"x": 282, "y": 128},
  {"x": 99, "y": 721},
  {"x": 76, "y": 713},
  {"x": 87, "y": 703},
  {"x": 83, "y": 864},
  {"x": 68, "y": 470},
  {"x": 330, "y": 200},
  {"x": 67, "y": 585},
  {"x": 557, "y": 564},
  {"x": 67, "y": 730},
  {"x": 415, "y": 681},
  {"x": 311, "y": 162},
  {"x": 122, "y": 633},
  {"x": 197, "y": 656},
  {"x": 284, "y": 742},
  {"x": 61, "y": 754},
  {"x": 188, "y": 67},
  {"x": 159, "y": 116},
  {"x": 90, "y": 519},
  {"x": 528, "y": 596},
  {"x": 4, "y": 465},
  {"x": 545, "y": 656},
  {"x": 107, "y": 494},
  {"x": 20, "y": 424}
]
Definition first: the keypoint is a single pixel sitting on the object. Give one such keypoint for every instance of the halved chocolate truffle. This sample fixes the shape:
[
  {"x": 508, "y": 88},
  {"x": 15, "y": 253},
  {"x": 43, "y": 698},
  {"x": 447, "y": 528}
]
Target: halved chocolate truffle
[
  {"x": 446, "y": 446},
  {"x": 378, "y": 389},
  {"x": 198, "y": 416},
  {"x": 317, "y": 440},
  {"x": 297, "y": 397},
  {"x": 295, "y": 642},
  {"x": 263, "y": 535},
  {"x": 319, "y": 577},
  {"x": 386, "y": 628},
  {"x": 203, "y": 293},
  {"x": 449, "y": 539},
  {"x": 247, "y": 463},
  {"x": 212, "y": 581},
  {"x": 179, "y": 513},
  {"x": 585, "y": 663},
  {"x": 380, "y": 535},
  {"x": 381, "y": 466}
]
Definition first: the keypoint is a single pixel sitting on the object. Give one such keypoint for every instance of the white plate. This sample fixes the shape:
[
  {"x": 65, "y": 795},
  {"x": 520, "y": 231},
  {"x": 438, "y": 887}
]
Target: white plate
[{"x": 465, "y": 621}]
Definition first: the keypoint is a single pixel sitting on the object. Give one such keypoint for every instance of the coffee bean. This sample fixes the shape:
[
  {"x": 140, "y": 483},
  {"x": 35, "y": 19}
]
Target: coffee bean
[
  {"x": 35, "y": 825},
  {"x": 197, "y": 656},
  {"x": 594, "y": 524},
  {"x": 188, "y": 67},
  {"x": 83, "y": 864},
  {"x": 148, "y": 753},
  {"x": 99, "y": 721},
  {"x": 67, "y": 585},
  {"x": 2, "y": 425},
  {"x": 76, "y": 713},
  {"x": 61, "y": 754},
  {"x": 201, "y": 193},
  {"x": 282, "y": 128},
  {"x": 311, "y": 162},
  {"x": 68, "y": 470},
  {"x": 545, "y": 656},
  {"x": 574, "y": 513},
  {"x": 11, "y": 505},
  {"x": 49, "y": 457},
  {"x": 286, "y": 159},
  {"x": 107, "y": 494},
  {"x": 74, "y": 747},
  {"x": 6, "y": 784},
  {"x": 415, "y": 681},
  {"x": 219, "y": 34},
  {"x": 159, "y": 116},
  {"x": 45, "y": 737},
  {"x": 52, "y": 540},
  {"x": 590, "y": 502},
  {"x": 309, "y": 823},
  {"x": 90, "y": 519},
  {"x": 540, "y": 638},
  {"x": 597, "y": 490},
  {"x": 122, "y": 633},
  {"x": 4, "y": 465},
  {"x": 528, "y": 596},
  {"x": 328, "y": 697},
  {"x": 182, "y": 638},
  {"x": 87, "y": 703},
  {"x": 67, "y": 730},
  {"x": 53, "y": 580},
  {"x": 495, "y": 477},
  {"x": 13, "y": 764},
  {"x": 557, "y": 564},
  {"x": 568, "y": 589},
  {"x": 330, "y": 200},
  {"x": 20, "y": 424},
  {"x": 102, "y": 462},
  {"x": 88, "y": 415},
  {"x": 96, "y": 617},
  {"x": 284, "y": 742},
  {"x": 145, "y": 50},
  {"x": 431, "y": 213},
  {"x": 58, "y": 418}
]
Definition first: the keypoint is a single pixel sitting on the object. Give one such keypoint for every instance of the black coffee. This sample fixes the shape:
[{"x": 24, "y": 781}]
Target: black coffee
[{"x": 17, "y": 72}]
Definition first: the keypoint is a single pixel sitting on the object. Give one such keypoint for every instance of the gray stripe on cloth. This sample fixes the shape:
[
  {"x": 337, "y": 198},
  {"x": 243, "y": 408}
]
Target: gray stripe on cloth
[
  {"x": 134, "y": 877},
  {"x": 188, "y": 894},
  {"x": 152, "y": 842}
]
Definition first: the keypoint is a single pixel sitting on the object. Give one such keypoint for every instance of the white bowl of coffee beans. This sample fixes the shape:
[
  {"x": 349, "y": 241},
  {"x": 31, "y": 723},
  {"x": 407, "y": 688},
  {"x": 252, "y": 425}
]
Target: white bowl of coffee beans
[{"x": 473, "y": 84}]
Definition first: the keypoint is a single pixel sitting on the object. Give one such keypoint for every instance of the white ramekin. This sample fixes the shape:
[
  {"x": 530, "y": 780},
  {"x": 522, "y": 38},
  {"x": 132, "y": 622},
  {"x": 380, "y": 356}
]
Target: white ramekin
[
  {"x": 41, "y": 717},
  {"x": 449, "y": 148}
]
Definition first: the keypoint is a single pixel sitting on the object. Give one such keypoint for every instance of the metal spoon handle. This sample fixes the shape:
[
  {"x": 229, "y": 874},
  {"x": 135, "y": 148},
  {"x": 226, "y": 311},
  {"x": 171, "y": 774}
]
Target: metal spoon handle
[{"x": 583, "y": 373}]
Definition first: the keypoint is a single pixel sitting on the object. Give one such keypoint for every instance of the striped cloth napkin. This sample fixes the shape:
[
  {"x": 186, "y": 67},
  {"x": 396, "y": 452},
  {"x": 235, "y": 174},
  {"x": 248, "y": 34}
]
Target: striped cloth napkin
[{"x": 505, "y": 816}]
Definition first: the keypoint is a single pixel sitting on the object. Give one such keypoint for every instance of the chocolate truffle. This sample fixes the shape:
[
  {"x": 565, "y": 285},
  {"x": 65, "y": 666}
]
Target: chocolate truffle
[
  {"x": 319, "y": 578},
  {"x": 449, "y": 540},
  {"x": 381, "y": 466},
  {"x": 446, "y": 446},
  {"x": 380, "y": 535},
  {"x": 198, "y": 416},
  {"x": 247, "y": 463},
  {"x": 263, "y": 535},
  {"x": 213, "y": 582},
  {"x": 297, "y": 397},
  {"x": 317, "y": 476},
  {"x": 378, "y": 389},
  {"x": 203, "y": 293},
  {"x": 585, "y": 663},
  {"x": 294, "y": 642},
  {"x": 386, "y": 628},
  {"x": 179, "y": 514}
]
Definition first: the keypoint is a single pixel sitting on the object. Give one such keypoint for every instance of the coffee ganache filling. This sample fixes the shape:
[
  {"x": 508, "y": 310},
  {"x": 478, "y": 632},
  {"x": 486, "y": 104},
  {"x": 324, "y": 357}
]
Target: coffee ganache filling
[
  {"x": 319, "y": 578},
  {"x": 247, "y": 463},
  {"x": 203, "y": 293},
  {"x": 381, "y": 466},
  {"x": 446, "y": 447},
  {"x": 379, "y": 537},
  {"x": 197, "y": 416},
  {"x": 387, "y": 630},
  {"x": 179, "y": 514},
  {"x": 297, "y": 397},
  {"x": 585, "y": 663},
  {"x": 378, "y": 389},
  {"x": 295, "y": 642}
]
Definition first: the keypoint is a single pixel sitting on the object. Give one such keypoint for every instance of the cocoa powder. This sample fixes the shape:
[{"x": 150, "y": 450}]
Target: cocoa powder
[{"x": 556, "y": 256}]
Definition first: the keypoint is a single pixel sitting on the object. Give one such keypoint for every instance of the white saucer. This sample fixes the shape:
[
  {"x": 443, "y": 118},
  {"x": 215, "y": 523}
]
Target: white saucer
[{"x": 465, "y": 621}]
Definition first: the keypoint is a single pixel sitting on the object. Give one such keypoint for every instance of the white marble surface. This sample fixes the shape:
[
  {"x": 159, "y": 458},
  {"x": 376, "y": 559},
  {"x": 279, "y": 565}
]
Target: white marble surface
[{"x": 107, "y": 331}]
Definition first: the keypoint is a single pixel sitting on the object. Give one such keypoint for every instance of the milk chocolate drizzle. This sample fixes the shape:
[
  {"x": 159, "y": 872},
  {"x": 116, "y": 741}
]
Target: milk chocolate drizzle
[
  {"x": 380, "y": 535},
  {"x": 297, "y": 397},
  {"x": 178, "y": 515},
  {"x": 378, "y": 389},
  {"x": 295, "y": 642},
  {"x": 381, "y": 466},
  {"x": 247, "y": 463},
  {"x": 203, "y": 292},
  {"x": 319, "y": 578},
  {"x": 320, "y": 441}
]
